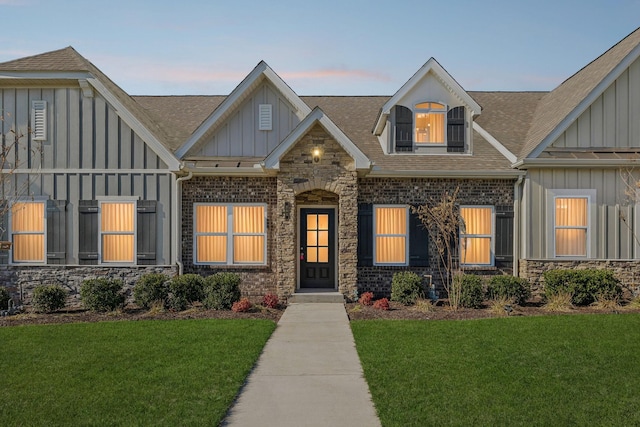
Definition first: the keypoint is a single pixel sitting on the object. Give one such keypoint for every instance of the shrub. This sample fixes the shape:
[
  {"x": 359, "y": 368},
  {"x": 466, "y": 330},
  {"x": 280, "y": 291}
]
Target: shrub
[
  {"x": 499, "y": 304},
  {"x": 221, "y": 290},
  {"x": 241, "y": 306},
  {"x": 270, "y": 300},
  {"x": 150, "y": 288},
  {"x": 508, "y": 287},
  {"x": 381, "y": 304},
  {"x": 559, "y": 301},
  {"x": 5, "y": 297},
  {"x": 584, "y": 286},
  {"x": 406, "y": 287},
  {"x": 48, "y": 298},
  {"x": 423, "y": 306},
  {"x": 366, "y": 298},
  {"x": 471, "y": 294},
  {"x": 184, "y": 290},
  {"x": 102, "y": 294}
]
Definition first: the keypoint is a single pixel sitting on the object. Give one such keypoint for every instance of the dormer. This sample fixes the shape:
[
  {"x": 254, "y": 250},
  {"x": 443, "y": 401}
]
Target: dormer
[{"x": 430, "y": 114}]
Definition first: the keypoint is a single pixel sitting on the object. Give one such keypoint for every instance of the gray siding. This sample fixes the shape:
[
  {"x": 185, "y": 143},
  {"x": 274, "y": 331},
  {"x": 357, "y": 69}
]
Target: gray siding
[
  {"x": 89, "y": 153},
  {"x": 613, "y": 120},
  {"x": 614, "y": 231},
  {"x": 239, "y": 135}
]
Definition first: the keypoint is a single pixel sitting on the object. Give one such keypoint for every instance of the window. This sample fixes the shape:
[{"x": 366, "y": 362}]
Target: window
[
  {"x": 430, "y": 123},
  {"x": 390, "y": 235},
  {"x": 117, "y": 231},
  {"x": 476, "y": 237},
  {"x": 571, "y": 226},
  {"x": 27, "y": 228},
  {"x": 229, "y": 234}
]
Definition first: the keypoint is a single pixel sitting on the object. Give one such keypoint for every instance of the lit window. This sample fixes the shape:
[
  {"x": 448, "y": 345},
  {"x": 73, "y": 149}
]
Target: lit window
[
  {"x": 230, "y": 234},
  {"x": 476, "y": 237},
  {"x": 117, "y": 231},
  {"x": 430, "y": 123},
  {"x": 571, "y": 226},
  {"x": 390, "y": 240},
  {"x": 27, "y": 227}
]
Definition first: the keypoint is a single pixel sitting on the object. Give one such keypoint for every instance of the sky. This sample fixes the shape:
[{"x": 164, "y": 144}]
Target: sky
[{"x": 321, "y": 47}]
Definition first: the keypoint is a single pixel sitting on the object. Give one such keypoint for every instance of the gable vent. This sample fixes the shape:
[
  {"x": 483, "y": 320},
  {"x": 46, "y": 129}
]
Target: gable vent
[
  {"x": 265, "y": 118},
  {"x": 39, "y": 120}
]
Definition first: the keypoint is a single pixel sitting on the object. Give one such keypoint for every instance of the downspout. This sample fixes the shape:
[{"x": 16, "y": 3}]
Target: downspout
[
  {"x": 178, "y": 228},
  {"x": 516, "y": 224}
]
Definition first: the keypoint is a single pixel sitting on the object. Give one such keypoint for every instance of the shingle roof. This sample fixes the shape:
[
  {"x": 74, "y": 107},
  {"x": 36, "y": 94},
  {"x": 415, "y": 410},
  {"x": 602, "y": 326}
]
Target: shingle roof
[{"x": 559, "y": 103}]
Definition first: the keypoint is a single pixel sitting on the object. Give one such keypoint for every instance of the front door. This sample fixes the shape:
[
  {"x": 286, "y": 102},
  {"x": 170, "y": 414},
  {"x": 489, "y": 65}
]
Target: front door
[{"x": 317, "y": 248}]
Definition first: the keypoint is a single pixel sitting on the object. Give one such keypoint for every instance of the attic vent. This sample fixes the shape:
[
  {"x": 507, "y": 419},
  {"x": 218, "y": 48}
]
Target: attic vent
[
  {"x": 39, "y": 120},
  {"x": 264, "y": 117}
]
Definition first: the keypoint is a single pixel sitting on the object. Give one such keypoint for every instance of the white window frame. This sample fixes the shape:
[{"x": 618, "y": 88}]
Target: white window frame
[
  {"x": 44, "y": 232},
  {"x": 417, "y": 111},
  {"x": 492, "y": 236},
  {"x": 552, "y": 195},
  {"x": 102, "y": 233},
  {"x": 230, "y": 234},
  {"x": 406, "y": 235}
]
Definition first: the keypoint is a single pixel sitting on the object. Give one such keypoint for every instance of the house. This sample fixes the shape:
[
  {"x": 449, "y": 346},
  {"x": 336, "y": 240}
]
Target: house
[{"x": 295, "y": 192}]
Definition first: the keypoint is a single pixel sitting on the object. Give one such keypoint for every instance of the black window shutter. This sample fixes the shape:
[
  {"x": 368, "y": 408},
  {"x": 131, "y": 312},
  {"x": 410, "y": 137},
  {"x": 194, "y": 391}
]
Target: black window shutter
[
  {"x": 404, "y": 128},
  {"x": 56, "y": 231},
  {"x": 147, "y": 236},
  {"x": 365, "y": 234},
  {"x": 4, "y": 230},
  {"x": 88, "y": 231},
  {"x": 504, "y": 236},
  {"x": 455, "y": 130},
  {"x": 418, "y": 242}
]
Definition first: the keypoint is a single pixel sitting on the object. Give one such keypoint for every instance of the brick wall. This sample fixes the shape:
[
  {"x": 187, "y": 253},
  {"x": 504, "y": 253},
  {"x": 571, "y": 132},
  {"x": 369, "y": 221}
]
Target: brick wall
[{"x": 416, "y": 191}]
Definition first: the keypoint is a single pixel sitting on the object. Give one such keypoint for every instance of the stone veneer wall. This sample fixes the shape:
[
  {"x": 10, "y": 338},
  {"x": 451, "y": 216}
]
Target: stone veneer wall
[
  {"x": 417, "y": 191},
  {"x": 22, "y": 280},
  {"x": 334, "y": 173},
  {"x": 627, "y": 271},
  {"x": 256, "y": 280}
]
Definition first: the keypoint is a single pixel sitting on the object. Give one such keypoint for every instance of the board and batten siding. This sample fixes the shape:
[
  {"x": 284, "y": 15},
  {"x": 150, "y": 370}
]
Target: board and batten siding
[
  {"x": 89, "y": 153},
  {"x": 613, "y": 120},
  {"x": 239, "y": 135},
  {"x": 615, "y": 226}
]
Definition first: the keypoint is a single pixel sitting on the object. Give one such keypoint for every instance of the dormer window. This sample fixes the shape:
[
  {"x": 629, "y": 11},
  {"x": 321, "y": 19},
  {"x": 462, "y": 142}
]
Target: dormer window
[
  {"x": 430, "y": 123},
  {"x": 430, "y": 128}
]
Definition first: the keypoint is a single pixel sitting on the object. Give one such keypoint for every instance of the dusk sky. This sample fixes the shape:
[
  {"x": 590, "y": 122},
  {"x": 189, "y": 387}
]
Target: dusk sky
[{"x": 348, "y": 47}]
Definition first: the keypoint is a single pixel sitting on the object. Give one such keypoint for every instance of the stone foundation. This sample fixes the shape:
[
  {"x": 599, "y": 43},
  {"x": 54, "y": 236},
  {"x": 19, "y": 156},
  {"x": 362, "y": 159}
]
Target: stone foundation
[{"x": 627, "y": 271}]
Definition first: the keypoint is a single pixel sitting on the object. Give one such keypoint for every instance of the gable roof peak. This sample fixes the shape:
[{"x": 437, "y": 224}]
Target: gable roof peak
[{"x": 65, "y": 59}]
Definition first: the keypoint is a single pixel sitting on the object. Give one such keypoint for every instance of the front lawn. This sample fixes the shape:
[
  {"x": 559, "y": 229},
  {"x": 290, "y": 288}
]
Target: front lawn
[
  {"x": 553, "y": 370},
  {"x": 184, "y": 372}
]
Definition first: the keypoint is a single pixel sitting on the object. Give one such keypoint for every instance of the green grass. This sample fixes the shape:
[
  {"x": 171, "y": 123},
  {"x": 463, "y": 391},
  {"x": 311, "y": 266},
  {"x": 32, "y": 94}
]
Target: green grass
[
  {"x": 554, "y": 370},
  {"x": 171, "y": 373}
]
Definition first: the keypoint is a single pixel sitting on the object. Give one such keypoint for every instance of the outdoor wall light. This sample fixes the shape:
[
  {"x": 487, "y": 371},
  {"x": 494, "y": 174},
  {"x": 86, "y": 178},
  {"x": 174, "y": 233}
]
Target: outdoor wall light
[{"x": 316, "y": 155}]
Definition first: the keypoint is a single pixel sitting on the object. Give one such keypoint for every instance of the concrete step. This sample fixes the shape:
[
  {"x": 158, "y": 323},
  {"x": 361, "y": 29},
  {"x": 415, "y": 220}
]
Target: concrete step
[{"x": 306, "y": 296}]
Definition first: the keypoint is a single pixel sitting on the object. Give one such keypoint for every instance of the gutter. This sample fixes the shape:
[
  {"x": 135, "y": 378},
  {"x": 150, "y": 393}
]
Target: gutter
[
  {"x": 178, "y": 219},
  {"x": 572, "y": 163},
  {"x": 517, "y": 194},
  {"x": 446, "y": 174}
]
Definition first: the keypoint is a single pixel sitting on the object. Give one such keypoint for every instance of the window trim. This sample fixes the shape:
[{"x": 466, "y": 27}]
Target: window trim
[
  {"x": 229, "y": 234},
  {"x": 406, "y": 235},
  {"x": 552, "y": 195},
  {"x": 492, "y": 236},
  {"x": 42, "y": 200},
  {"x": 443, "y": 112},
  {"x": 134, "y": 233}
]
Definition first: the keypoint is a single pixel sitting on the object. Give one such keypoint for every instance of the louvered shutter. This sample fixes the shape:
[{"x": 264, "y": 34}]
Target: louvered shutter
[
  {"x": 404, "y": 128},
  {"x": 4, "y": 230},
  {"x": 418, "y": 242},
  {"x": 56, "y": 231},
  {"x": 147, "y": 232},
  {"x": 504, "y": 236},
  {"x": 456, "y": 130},
  {"x": 88, "y": 232},
  {"x": 365, "y": 234}
]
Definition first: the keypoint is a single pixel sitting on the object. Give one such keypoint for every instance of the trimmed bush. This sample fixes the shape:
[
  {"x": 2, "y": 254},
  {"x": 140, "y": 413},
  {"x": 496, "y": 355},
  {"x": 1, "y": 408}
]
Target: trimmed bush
[
  {"x": 48, "y": 298},
  {"x": 150, "y": 289},
  {"x": 366, "y": 298},
  {"x": 271, "y": 301},
  {"x": 471, "y": 294},
  {"x": 585, "y": 286},
  {"x": 4, "y": 298},
  {"x": 184, "y": 290},
  {"x": 381, "y": 304},
  {"x": 221, "y": 290},
  {"x": 102, "y": 294},
  {"x": 241, "y": 306},
  {"x": 508, "y": 287},
  {"x": 406, "y": 287}
]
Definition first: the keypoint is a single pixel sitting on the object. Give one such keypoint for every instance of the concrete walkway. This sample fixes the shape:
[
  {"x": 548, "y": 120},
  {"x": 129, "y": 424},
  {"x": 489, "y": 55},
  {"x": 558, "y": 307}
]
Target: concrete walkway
[{"x": 309, "y": 374}]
